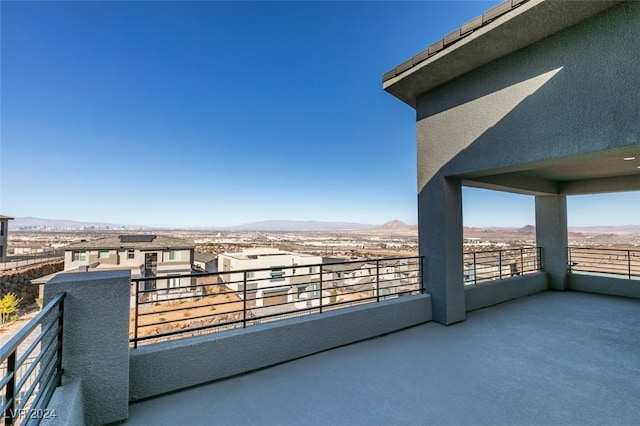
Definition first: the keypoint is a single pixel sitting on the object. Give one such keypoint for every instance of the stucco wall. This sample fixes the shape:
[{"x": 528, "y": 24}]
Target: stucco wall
[
  {"x": 615, "y": 286},
  {"x": 95, "y": 348},
  {"x": 494, "y": 292},
  {"x": 169, "y": 366},
  {"x": 572, "y": 93}
]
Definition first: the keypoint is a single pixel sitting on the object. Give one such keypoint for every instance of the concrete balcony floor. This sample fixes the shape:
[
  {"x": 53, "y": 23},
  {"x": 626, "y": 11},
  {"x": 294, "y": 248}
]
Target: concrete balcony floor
[{"x": 555, "y": 358}]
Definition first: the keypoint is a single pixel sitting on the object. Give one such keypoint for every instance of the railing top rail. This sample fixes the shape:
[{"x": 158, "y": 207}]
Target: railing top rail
[
  {"x": 16, "y": 340},
  {"x": 603, "y": 248},
  {"x": 503, "y": 249},
  {"x": 235, "y": 271}
]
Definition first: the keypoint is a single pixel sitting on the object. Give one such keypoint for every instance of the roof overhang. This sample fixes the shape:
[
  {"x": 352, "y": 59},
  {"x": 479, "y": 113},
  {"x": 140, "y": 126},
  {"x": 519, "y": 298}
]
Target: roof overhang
[{"x": 521, "y": 26}]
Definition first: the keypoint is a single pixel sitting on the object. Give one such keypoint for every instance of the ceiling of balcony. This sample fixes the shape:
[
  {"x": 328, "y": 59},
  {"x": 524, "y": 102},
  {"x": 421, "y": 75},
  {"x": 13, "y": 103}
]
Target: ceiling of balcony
[
  {"x": 603, "y": 171},
  {"x": 591, "y": 166}
]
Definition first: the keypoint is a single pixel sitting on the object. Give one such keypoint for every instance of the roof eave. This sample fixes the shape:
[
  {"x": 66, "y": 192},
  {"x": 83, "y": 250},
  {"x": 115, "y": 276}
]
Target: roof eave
[{"x": 521, "y": 27}]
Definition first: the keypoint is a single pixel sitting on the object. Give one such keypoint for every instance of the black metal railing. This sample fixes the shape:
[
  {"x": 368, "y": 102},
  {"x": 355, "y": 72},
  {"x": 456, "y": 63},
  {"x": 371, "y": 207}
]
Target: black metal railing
[
  {"x": 624, "y": 262},
  {"x": 188, "y": 305},
  {"x": 483, "y": 266},
  {"x": 31, "y": 366}
]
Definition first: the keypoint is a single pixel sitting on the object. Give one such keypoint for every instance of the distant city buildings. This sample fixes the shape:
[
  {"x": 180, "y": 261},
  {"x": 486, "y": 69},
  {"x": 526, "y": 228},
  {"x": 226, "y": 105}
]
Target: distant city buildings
[{"x": 4, "y": 233}]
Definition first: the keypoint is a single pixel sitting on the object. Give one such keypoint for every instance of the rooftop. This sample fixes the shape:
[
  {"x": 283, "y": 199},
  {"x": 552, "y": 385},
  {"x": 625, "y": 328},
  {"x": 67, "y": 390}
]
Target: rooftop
[
  {"x": 158, "y": 242},
  {"x": 204, "y": 257},
  {"x": 551, "y": 358},
  {"x": 254, "y": 253}
]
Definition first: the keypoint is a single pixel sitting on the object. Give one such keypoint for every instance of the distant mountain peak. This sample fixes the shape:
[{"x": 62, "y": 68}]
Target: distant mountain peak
[
  {"x": 395, "y": 225},
  {"x": 527, "y": 229}
]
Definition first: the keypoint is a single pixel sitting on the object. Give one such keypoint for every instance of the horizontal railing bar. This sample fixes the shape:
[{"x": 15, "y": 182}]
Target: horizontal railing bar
[
  {"x": 35, "y": 363},
  {"x": 201, "y": 297},
  {"x": 213, "y": 326},
  {"x": 604, "y": 249},
  {"x": 209, "y": 274},
  {"x": 143, "y": 314},
  {"x": 6, "y": 378},
  {"x": 505, "y": 250},
  {"x": 226, "y": 284},
  {"x": 275, "y": 286},
  {"x": 16, "y": 340},
  {"x": 7, "y": 404},
  {"x": 46, "y": 329},
  {"x": 36, "y": 382},
  {"x": 241, "y": 281},
  {"x": 42, "y": 403}
]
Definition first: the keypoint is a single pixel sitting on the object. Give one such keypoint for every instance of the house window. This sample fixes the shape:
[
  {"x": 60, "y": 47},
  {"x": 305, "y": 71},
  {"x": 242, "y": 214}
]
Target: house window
[
  {"x": 103, "y": 254},
  {"x": 174, "y": 255},
  {"x": 173, "y": 282},
  {"x": 314, "y": 290},
  {"x": 277, "y": 275},
  {"x": 131, "y": 254},
  {"x": 313, "y": 269},
  {"x": 79, "y": 256},
  {"x": 1, "y": 228},
  {"x": 250, "y": 274}
]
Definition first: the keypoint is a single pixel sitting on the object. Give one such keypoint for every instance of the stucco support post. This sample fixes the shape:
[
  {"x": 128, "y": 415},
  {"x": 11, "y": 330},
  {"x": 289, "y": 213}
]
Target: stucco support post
[
  {"x": 551, "y": 235},
  {"x": 95, "y": 347},
  {"x": 440, "y": 242}
]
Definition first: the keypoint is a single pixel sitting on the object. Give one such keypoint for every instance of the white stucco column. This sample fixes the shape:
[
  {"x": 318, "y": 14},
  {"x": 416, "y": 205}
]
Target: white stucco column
[
  {"x": 440, "y": 242},
  {"x": 551, "y": 235},
  {"x": 95, "y": 343}
]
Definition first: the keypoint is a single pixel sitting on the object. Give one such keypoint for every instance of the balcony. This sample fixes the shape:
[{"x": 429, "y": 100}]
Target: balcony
[{"x": 552, "y": 357}]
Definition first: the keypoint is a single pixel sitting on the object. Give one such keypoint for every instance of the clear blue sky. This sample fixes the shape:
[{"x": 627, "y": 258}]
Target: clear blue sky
[{"x": 219, "y": 113}]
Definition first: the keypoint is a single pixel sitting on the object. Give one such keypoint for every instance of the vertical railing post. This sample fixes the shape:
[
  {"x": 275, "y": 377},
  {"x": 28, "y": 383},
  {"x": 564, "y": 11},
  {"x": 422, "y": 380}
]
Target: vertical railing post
[
  {"x": 244, "y": 300},
  {"x": 60, "y": 332},
  {"x": 475, "y": 269},
  {"x": 10, "y": 389},
  {"x": 521, "y": 261},
  {"x": 320, "y": 288},
  {"x": 136, "y": 293},
  {"x": 421, "y": 274},
  {"x": 500, "y": 264},
  {"x": 629, "y": 262},
  {"x": 377, "y": 280}
]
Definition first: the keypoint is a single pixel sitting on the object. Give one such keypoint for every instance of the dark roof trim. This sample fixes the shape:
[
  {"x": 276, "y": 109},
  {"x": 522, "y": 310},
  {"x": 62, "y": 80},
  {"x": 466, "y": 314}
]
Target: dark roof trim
[{"x": 455, "y": 36}]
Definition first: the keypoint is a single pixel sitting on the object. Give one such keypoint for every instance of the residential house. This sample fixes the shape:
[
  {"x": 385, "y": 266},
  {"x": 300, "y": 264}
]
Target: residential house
[
  {"x": 205, "y": 262},
  {"x": 383, "y": 277},
  {"x": 159, "y": 257},
  {"x": 276, "y": 278},
  {"x": 4, "y": 235}
]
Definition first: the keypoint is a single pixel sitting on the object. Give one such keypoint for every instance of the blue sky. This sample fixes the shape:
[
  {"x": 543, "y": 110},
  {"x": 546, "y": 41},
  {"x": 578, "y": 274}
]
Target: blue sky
[{"x": 220, "y": 113}]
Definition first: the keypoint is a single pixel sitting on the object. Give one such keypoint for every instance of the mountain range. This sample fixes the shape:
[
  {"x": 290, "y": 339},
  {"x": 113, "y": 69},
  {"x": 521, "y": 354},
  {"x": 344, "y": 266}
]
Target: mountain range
[{"x": 391, "y": 227}]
